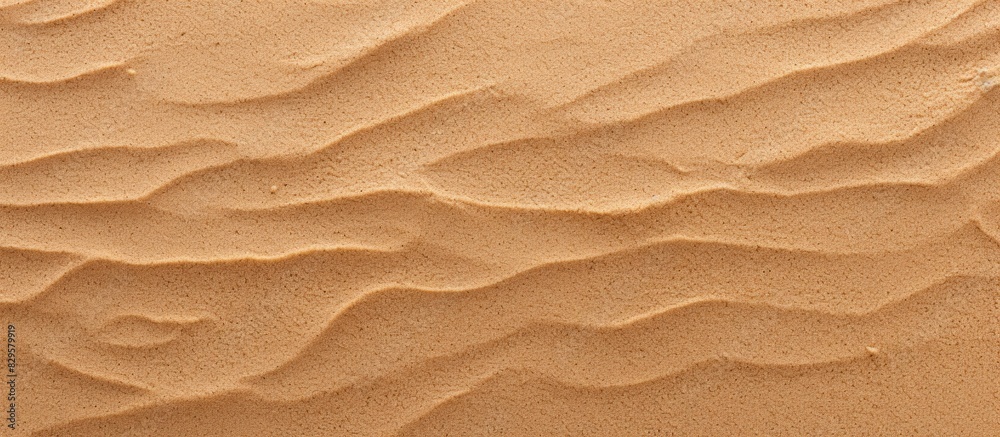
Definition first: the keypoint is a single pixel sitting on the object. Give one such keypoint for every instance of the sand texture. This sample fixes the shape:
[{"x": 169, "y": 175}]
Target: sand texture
[{"x": 501, "y": 218}]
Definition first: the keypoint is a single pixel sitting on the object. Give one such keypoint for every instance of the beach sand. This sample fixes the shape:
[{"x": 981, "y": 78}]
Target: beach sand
[{"x": 495, "y": 217}]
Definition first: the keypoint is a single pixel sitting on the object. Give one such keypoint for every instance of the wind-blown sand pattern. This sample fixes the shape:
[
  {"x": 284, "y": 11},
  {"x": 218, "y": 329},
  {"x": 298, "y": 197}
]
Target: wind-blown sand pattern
[{"x": 430, "y": 218}]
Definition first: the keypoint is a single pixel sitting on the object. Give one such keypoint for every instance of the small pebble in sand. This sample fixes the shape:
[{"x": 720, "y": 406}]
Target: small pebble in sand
[
  {"x": 987, "y": 80},
  {"x": 872, "y": 350},
  {"x": 274, "y": 188},
  {"x": 131, "y": 71}
]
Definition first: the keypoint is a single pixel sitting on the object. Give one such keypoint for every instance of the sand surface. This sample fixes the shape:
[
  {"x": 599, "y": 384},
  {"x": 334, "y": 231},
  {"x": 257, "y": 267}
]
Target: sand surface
[{"x": 495, "y": 217}]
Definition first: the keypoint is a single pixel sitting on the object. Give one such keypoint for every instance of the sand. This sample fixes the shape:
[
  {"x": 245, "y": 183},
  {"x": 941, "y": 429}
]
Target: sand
[{"x": 444, "y": 218}]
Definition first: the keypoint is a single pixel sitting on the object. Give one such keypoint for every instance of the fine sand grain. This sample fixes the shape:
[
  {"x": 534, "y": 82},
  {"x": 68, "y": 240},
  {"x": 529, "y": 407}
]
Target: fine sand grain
[{"x": 496, "y": 217}]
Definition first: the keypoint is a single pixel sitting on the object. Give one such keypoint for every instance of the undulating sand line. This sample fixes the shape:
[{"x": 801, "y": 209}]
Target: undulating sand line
[{"x": 486, "y": 217}]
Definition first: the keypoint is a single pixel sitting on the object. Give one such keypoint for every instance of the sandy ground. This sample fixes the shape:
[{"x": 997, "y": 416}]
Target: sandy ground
[{"x": 495, "y": 217}]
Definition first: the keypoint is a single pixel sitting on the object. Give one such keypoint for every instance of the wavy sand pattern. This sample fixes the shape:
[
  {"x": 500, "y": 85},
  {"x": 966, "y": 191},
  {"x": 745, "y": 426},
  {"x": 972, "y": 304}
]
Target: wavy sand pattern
[{"x": 490, "y": 217}]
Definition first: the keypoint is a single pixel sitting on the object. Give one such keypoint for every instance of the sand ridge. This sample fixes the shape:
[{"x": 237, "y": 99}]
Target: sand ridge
[{"x": 486, "y": 217}]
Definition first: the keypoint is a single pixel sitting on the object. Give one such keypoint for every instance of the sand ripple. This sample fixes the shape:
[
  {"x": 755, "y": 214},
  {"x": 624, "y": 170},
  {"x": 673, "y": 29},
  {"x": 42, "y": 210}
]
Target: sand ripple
[{"x": 502, "y": 218}]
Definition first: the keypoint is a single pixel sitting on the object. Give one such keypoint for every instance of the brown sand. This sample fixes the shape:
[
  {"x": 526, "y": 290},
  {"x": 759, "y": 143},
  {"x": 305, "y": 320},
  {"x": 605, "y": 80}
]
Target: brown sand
[{"x": 429, "y": 218}]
